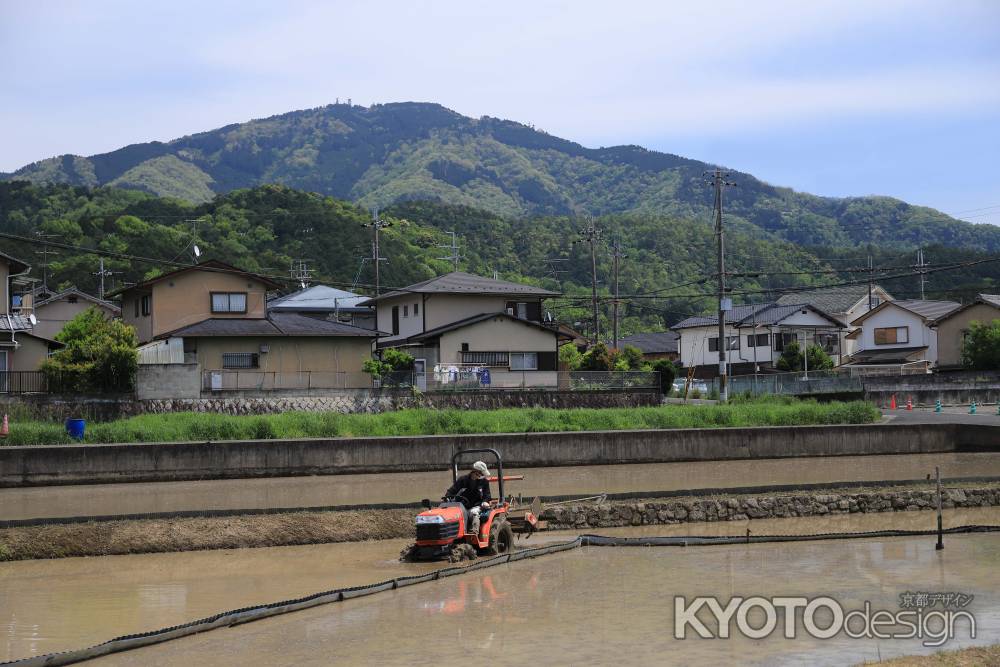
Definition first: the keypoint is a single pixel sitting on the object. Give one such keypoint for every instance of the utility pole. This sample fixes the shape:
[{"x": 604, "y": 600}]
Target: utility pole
[
  {"x": 102, "y": 273},
  {"x": 377, "y": 224},
  {"x": 923, "y": 275},
  {"x": 718, "y": 180},
  {"x": 45, "y": 252},
  {"x": 871, "y": 279},
  {"x": 616, "y": 253},
  {"x": 592, "y": 236},
  {"x": 453, "y": 246}
]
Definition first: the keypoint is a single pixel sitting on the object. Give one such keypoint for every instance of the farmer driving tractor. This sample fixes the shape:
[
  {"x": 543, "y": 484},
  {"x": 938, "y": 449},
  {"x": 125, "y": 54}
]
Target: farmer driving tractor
[{"x": 473, "y": 491}]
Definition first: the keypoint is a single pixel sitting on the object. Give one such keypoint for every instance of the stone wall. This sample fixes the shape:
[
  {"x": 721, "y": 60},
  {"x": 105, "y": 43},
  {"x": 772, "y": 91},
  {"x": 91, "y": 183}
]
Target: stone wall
[
  {"x": 742, "y": 508},
  {"x": 59, "y": 408}
]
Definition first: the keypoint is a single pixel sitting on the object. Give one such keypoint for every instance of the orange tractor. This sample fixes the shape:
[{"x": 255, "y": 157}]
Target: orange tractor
[{"x": 443, "y": 531}]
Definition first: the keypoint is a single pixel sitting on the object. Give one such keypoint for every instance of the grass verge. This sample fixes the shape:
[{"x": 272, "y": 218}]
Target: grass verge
[
  {"x": 966, "y": 657},
  {"x": 190, "y": 426}
]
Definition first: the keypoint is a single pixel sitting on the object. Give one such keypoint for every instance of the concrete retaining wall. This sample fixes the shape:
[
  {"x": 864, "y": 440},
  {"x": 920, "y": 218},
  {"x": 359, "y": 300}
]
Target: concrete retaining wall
[
  {"x": 951, "y": 388},
  {"x": 75, "y": 464},
  {"x": 167, "y": 381}
]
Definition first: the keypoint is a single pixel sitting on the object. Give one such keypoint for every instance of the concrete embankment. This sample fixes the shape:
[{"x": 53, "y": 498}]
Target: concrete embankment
[
  {"x": 82, "y": 464},
  {"x": 296, "y": 528}
]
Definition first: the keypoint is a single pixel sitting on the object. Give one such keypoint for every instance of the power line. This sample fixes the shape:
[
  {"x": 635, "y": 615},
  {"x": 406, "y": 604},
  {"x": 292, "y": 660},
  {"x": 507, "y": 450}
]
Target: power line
[
  {"x": 592, "y": 236},
  {"x": 454, "y": 257}
]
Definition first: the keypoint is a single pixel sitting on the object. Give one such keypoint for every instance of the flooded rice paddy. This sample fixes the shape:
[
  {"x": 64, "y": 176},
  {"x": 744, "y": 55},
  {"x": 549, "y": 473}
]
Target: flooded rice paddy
[
  {"x": 582, "y": 607},
  {"x": 287, "y": 492}
]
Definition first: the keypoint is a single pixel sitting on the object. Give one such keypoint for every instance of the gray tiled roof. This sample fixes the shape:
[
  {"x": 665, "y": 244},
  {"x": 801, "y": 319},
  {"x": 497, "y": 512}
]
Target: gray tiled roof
[
  {"x": 766, "y": 314},
  {"x": 74, "y": 291},
  {"x": 276, "y": 324},
  {"x": 835, "y": 300},
  {"x": 929, "y": 310},
  {"x": 15, "y": 323},
  {"x": 660, "y": 342},
  {"x": 993, "y": 299},
  {"x": 459, "y": 282},
  {"x": 16, "y": 265},
  {"x": 320, "y": 298}
]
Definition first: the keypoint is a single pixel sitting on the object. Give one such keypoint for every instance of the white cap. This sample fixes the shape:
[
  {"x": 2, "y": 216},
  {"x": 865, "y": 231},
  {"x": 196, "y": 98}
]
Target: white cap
[{"x": 481, "y": 468}]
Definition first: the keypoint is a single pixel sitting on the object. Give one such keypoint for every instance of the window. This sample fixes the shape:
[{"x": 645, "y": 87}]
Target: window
[
  {"x": 830, "y": 342},
  {"x": 395, "y": 320},
  {"x": 522, "y": 311},
  {"x": 523, "y": 361},
  {"x": 416, "y": 309},
  {"x": 229, "y": 302},
  {"x": 72, "y": 299},
  {"x": 465, "y": 347},
  {"x": 783, "y": 339},
  {"x": 137, "y": 307},
  {"x": 146, "y": 303},
  {"x": 892, "y": 335},
  {"x": 759, "y": 340},
  {"x": 240, "y": 360},
  {"x": 713, "y": 343}
]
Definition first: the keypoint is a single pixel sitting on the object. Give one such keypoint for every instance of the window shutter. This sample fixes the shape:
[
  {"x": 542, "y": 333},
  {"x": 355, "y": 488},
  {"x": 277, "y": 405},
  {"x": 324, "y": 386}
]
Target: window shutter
[{"x": 547, "y": 361}]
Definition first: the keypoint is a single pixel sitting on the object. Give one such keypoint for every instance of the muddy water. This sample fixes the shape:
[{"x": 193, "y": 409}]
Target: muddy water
[
  {"x": 595, "y": 606},
  {"x": 48, "y": 606},
  {"x": 112, "y": 499}
]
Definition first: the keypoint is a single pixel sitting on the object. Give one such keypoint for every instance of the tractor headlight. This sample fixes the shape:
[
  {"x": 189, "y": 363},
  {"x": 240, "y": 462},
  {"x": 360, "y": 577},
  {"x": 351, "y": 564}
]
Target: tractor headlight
[{"x": 431, "y": 518}]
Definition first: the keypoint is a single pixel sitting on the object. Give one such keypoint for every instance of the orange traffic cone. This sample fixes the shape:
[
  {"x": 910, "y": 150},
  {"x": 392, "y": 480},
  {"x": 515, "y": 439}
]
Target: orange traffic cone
[
  {"x": 909, "y": 403},
  {"x": 5, "y": 428},
  {"x": 892, "y": 402}
]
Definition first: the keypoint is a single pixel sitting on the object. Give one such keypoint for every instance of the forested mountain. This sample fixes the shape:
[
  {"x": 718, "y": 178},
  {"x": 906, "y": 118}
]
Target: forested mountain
[
  {"x": 392, "y": 153},
  {"x": 666, "y": 272}
]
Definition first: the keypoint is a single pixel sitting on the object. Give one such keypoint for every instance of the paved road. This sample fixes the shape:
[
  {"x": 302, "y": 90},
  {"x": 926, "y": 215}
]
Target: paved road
[{"x": 986, "y": 414}]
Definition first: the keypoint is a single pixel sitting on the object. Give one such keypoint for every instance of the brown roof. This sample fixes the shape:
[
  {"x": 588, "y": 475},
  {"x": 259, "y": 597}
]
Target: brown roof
[
  {"x": 16, "y": 265},
  {"x": 212, "y": 265},
  {"x": 275, "y": 324}
]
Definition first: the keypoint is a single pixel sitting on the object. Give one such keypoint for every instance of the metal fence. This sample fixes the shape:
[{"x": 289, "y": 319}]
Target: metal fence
[
  {"x": 26, "y": 382},
  {"x": 813, "y": 382},
  {"x": 458, "y": 379}
]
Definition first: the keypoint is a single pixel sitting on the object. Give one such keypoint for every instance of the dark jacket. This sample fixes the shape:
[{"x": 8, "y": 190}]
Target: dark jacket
[{"x": 469, "y": 491}]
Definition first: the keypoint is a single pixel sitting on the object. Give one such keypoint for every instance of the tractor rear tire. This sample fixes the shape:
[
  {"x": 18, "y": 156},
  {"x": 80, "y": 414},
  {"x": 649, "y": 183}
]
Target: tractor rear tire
[
  {"x": 501, "y": 538},
  {"x": 462, "y": 551}
]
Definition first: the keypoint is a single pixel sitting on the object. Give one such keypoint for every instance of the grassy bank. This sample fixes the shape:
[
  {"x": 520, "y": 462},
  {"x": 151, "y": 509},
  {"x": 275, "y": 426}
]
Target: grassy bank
[
  {"x": 188, "y": 426},
  {"x": 966, "y": 657}
]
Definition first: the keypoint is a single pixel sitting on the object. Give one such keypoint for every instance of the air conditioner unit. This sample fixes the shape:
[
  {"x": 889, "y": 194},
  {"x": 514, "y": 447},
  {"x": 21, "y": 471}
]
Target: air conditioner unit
[{"x": 264, "y": 348}]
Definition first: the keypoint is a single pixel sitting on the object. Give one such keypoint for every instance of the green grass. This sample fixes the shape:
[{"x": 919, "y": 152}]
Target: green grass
[{"x": 190, "y": 426}]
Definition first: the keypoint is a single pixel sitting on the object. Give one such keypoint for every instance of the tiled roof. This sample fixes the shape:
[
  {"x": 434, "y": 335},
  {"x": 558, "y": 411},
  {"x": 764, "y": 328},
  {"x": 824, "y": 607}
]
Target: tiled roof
[
  {"x": 766, "y": 314},
  {"x": 835, "y": 300},
  {"x": 16, "y": 265},
  {"x": 929, "y": 310},
  {"x": 660, "y": 342},
  {"x": 211, "y": 265},
  {"x": 15, "y": 323},
  {"x": 73, "y": 291},
  {"x": 475, "y": 319},
  {"x": 319, "y": 298},
  {"x": 459, "y": 282},
  {"x": 276, "y": 324},
  {"x": 993, "y": 299}
]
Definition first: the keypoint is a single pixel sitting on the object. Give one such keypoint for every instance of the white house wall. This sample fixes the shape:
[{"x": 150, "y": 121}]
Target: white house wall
[{"x": 893, "y": 316}]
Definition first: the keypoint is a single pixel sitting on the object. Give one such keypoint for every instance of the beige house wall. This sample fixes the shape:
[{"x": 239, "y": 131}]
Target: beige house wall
[
  {"x": 142, "y": 324},
  {"x": 498, "y": 334},
  {"x": 5, "y": 283},
  {"x": 52, "y": 317},
  {"x": 289, "y": 354},
  {"x": 29, "y": 355},
  {"x": 951, "y": 332}
]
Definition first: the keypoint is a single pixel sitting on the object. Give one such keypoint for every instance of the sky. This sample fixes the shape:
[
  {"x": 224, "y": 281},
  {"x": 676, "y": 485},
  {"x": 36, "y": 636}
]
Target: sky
[{"x": 837, "y": 98}]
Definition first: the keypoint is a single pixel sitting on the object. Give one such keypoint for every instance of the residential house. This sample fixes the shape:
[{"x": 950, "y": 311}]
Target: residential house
[
  {"x": 656, "y": 345},
  {"x": 845, "y": 303},
  {"x": 899, "y": 335},
  {"x": 756, "y": 336},
  {"x": 460, "y": 320},
  {"x": 21, "y": 349},
  {"x": 53, "y": 310},
  {"x": 214, "y": 315},
  {"x": 953, "y": 327},
  {"x": 326, "y": 303}
]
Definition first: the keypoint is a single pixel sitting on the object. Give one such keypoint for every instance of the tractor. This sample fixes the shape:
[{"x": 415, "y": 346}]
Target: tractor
[{"x": 442, "y": 531}]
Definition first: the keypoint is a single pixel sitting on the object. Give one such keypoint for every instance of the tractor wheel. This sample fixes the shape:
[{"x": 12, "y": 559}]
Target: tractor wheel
[
  {"x": 501, "y": 538},
  {"x": 460, "y": 552},
  {"x": 407, "y": 554}
]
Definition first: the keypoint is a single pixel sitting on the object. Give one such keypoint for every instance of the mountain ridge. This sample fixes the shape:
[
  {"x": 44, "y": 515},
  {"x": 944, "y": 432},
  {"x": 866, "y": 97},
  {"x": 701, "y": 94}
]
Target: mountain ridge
[{"x": 411, "y": 151}]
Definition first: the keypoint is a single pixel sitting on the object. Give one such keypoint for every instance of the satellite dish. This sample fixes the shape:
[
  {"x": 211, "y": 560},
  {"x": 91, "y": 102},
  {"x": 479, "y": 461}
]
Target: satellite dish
[
  {"x": 32, "y": 319},
  {"x": 197, "y": 251}
]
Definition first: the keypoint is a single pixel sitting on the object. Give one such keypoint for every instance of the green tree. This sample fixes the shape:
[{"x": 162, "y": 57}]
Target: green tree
[
  {"x": 981, "y": 347},
  {"x": 791, "y": 357},
  {"x": 391, "y": 368},
  {"x": 99, "y": 355},
  {"x": 598, "y": 358},
  {"x": 570, "y": 357},
  {"x": 819, "y": 360},
  {"x": 668, "y": 371},
  {"x": 632, "y": 356}
]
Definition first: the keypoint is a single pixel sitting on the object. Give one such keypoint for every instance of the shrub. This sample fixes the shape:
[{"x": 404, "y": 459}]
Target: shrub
[
  {"x": 99, "y": 355},
  {"x": 981, "y": 347},
  {"x": 668, "y": 371}
]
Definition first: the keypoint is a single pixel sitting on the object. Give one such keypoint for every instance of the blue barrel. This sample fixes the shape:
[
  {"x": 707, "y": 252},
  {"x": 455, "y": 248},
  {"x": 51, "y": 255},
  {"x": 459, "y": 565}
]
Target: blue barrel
[{"x": 75, "y": 428}]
